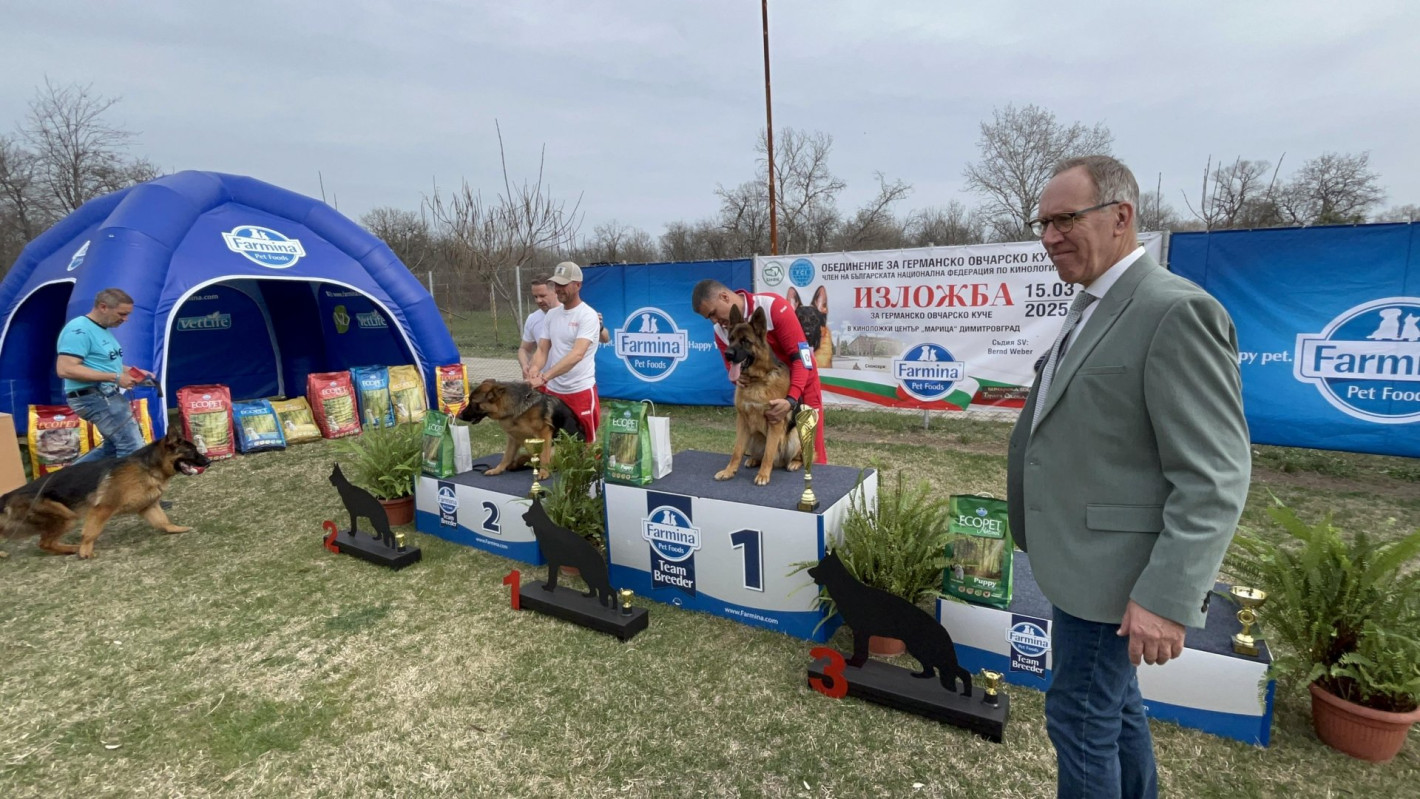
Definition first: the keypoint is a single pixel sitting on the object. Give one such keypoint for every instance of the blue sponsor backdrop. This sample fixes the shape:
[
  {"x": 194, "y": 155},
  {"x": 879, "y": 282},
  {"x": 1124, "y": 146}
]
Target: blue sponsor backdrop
[
  {"x": 1328, "y": 323},
  {"x": 661, "y": 349}
]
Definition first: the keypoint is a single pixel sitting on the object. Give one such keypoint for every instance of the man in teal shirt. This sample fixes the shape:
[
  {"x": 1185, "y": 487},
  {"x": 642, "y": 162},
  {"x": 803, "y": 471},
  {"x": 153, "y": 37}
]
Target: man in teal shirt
[{"x": 91, "y": 363}]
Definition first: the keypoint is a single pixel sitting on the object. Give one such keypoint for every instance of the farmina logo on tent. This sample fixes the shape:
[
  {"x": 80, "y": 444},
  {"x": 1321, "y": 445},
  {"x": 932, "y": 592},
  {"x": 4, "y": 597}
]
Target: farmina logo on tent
[
  {"x": 264, "y": 246},
  {"x": 650, "y": 344},
  {"x": 1366, "y": 363},
  {"x": 78, "y": 258}
]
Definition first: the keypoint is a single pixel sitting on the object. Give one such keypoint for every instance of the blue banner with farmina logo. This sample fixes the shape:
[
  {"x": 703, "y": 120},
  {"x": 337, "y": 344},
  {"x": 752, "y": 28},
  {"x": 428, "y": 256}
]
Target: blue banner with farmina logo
[
  {"x": 660, "y": 348},
  {"x": 1328, "y": 322}
]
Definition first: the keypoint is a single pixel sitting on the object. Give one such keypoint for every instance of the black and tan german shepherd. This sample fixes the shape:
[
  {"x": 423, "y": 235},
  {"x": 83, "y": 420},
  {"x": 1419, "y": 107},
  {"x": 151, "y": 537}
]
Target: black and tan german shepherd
[
  {"x": 523, "y": 412},
  {"x": 814, "y": 320},
  {"x": 759, "y": 377},
  {"x": 96, "y": 491}
]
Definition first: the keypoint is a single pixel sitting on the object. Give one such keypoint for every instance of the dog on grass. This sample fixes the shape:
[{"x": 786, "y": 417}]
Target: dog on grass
[
  {"x": 523, "y": 412},
  {"x": 814, "y": 320},
  {"x": 96, "y": 491},
  {"x": 759, "y": 377}
]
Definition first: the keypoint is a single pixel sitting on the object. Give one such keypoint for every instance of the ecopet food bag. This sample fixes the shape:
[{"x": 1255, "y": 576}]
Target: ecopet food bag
[
  {"x": 56, "y": 438},
  {"x": 438, "y": 459},
  {"x": 206, "y": 413},
  {"x": 257, "y": 426},
  {"x": 453, "y": 389},
  {"x": 140, "y": 415},
  {"x": 627, "y": 448},
  {"x": 372, "y": 387},
  {"x": 298, "y": 425},
  {"x": 979, "y": 551},
  {"x": 332, "y": 398},
  {"x": 407, "y": 394}
]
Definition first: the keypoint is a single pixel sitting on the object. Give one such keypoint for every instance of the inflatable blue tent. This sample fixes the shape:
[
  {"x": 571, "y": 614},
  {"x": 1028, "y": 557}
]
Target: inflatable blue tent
[{"x": 234, "y": 281}]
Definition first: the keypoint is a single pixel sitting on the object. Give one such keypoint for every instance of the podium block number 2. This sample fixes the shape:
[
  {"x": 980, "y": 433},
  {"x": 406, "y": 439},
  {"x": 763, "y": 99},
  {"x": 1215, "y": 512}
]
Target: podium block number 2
[{"x": 750, "y": 542}]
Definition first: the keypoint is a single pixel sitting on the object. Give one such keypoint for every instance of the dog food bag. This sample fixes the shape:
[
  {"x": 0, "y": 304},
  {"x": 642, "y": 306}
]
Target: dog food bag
[
  {"x": 407, "y": 394},
  {"x": 332, "y": 398},
  {"x": 298, "y": 425},
  {"x": 627, "y": 445},
  {"x": 438, "y": 459},
  {"x": 979, "y": 551},
  {"x": 372, "y": 387},
  {"x": 258, "y": 428},
  {"x": 140, "y": 415},
  {"x": 56, "y": 438},
  {"x": 206, "y": 413},
  {"x": 453, "y": 389}
]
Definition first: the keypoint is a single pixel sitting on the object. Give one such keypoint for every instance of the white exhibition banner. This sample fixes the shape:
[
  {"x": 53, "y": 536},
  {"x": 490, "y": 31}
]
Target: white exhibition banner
[{"x": 942, "y": 328}]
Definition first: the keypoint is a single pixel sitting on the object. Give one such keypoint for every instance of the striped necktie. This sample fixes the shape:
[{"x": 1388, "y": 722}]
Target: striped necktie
[{"x": 1057, "y": 351}]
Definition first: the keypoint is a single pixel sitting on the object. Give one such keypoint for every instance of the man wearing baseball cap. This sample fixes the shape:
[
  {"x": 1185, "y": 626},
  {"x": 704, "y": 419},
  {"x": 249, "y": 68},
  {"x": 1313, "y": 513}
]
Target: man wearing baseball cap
[{"x": 565, "y": 363}]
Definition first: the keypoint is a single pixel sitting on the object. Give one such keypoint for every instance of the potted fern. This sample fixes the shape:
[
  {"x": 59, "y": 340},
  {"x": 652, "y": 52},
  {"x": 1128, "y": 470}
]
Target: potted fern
[
  {"x": 385, "y": 461},
  {"x": 574, "y": 495},
  {"x": 897, "y": 545},
  {"x": 1346, "y": 612}
]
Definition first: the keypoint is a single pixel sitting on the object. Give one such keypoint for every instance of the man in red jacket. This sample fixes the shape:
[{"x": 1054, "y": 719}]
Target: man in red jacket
[{"x": 713, "y": 300}]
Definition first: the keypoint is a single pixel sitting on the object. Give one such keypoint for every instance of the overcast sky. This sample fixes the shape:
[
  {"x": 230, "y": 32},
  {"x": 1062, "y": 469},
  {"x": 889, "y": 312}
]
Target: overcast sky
[{"x": 644, "y": 106}]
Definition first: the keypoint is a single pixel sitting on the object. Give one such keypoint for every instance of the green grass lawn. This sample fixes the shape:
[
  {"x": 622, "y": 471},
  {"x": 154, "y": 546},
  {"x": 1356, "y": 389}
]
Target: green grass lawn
[
  {"x": 244, "y": 659},
  {"x": 476, "y": 334}
]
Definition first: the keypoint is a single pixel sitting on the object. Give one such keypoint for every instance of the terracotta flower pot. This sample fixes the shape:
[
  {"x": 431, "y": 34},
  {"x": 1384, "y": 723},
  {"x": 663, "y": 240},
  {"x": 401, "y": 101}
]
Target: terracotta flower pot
[
  {"x": 1359, "y": 731},
  {"x": 882, "y": 645},
  {"x": 400, "y": 511},
  {"x": 570, "y": 571}
]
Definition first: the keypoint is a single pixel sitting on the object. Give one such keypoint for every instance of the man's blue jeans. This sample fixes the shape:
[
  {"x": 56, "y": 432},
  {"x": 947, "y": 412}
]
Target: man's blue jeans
[
  {"x": 1095, "y": 715},
  {"x": 113, "y": 416}
]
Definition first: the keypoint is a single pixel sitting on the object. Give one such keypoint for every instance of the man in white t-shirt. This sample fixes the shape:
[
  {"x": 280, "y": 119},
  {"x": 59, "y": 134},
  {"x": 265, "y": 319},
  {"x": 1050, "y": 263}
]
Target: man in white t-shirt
[
  {"x": 565, "y": 363},
  {"x": 545, "y": 299}
]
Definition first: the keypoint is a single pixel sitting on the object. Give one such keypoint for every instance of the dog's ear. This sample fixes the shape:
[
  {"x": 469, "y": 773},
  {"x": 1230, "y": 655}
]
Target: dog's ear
[
  {"x": 735, "y": 315},
  {"x": 792, "y": 295},
  {"x": 757, "y": 322},
  {"x": 821, "y": 300}
]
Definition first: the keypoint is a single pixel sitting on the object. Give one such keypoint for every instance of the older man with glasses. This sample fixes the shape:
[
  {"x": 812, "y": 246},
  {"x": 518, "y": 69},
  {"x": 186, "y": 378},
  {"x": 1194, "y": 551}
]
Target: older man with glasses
[{"x": 1126, "y": 475}]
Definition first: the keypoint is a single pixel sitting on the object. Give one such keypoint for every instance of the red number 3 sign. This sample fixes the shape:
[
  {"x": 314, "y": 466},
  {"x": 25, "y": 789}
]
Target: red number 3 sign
[{"x": 832, "y": 683}]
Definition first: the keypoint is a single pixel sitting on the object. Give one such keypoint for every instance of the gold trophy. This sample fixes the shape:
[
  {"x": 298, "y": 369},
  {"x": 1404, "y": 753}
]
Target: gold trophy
[
  {"x": 534, "y": 448},
  {"x": 1251, "y": 599},
  {"x": 993, "y": 686},
  {"x": 399, "y": 541},
  {"x": 806, "y": 423},
  {"x": 625, "y": 601}
]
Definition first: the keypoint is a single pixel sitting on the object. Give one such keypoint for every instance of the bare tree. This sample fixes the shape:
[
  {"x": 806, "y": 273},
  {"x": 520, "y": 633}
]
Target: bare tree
[
  {"x": 744, "y": 218},
  {"x": 486, "y": 239},
  {"x": 80, "y": 155},
  {"x": 807, "y": 192},
  {"x": 945, "y": 226},
  {"x": 873, "y": 227},
  {"x": 1400, "y": 213},
  {"x": 405, "y": 232},
  {"x": 613, "y": 242},
  {"x": 1333, "y": 188},
  {"x": 1019, "y": 150},
  {"x": 698, "y": 241},
  {"x": 1243, "y": 195},
  {"x": 1154, "y": 213}
]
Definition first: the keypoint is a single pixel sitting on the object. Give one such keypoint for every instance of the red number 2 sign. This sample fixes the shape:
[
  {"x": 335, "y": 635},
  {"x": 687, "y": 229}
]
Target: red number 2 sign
[{"x": 833, "y": 683}]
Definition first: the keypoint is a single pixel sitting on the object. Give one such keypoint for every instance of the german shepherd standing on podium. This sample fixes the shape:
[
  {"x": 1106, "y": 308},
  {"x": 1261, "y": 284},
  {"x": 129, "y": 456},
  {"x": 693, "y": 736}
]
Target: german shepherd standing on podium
[
  {"x": 759, "y": 377},
  {"x": 49, "y": 507}
]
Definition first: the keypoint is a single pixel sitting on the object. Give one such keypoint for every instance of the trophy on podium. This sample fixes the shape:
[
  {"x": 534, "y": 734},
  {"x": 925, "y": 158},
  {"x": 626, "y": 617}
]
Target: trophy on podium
[
  {"x": 534, "y": 448},
  {"x": 806, "y": 424},
  {"x": 993, "y": 686},
  {"x": 1251, "y": 599}
]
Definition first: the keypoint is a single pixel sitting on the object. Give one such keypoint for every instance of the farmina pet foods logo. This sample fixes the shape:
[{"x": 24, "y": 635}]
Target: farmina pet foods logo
[
  {"x": 667, "y": 528},
  {"x": 448, "y": 505},
  {"x": 650, "y": 344},
  {"x": 1030, "y": 642},
  {"x": 213, "y": 321},
  {"x": 1366, "y": 363},
  {"x": 264, "y": 246},
  {"x": 78, "y": 259},
  {"x": 927, "y": 371}
]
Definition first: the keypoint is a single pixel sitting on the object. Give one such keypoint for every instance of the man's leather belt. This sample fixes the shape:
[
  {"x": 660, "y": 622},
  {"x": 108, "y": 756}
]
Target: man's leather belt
[{"x": 80, "y": 392}]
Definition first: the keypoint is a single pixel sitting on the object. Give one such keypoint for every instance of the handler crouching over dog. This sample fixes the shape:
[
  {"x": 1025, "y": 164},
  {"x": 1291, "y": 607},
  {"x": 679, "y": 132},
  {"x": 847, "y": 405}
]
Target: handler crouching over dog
[
  {"x": 713, "y": 300},
  {"x": 91, "y": 363},
  {"x": 571, "y": 334}
]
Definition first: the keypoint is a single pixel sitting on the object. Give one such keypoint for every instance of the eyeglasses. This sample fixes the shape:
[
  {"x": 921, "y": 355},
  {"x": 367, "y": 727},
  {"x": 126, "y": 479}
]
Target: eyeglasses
[{"x": 1066, "y": 222}]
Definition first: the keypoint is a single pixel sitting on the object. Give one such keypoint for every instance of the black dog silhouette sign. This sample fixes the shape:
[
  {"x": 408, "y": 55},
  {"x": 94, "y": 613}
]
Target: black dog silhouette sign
[
  {"x": 871, "y": 611},
  {"x": 383, "y": 546}
]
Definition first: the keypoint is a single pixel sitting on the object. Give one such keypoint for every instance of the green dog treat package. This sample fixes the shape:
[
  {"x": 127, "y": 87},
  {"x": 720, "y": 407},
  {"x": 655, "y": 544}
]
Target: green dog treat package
[
  {"x": 979, "y": 551},
  {"x": 438, "y": 458},
  {"x": 626, "y": 448}
]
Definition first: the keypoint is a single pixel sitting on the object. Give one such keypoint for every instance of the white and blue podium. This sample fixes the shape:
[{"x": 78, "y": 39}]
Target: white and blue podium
[
  {"x": 1210, "y": 688},
  {"x": 728, "y": 548},
  {"x": 479, "y": 511}
]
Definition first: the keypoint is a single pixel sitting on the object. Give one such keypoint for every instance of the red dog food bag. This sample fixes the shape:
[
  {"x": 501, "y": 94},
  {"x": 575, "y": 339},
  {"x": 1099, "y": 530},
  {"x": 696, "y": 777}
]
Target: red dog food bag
[
  {"x": 332, "y": 399},
  {"x": 56, "y": 438},
  {"x": 206, "y": 413}
]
